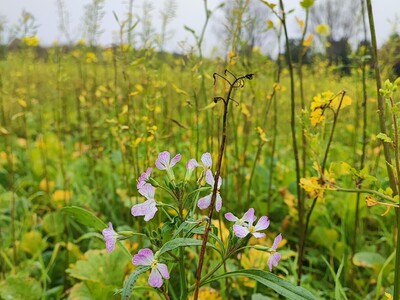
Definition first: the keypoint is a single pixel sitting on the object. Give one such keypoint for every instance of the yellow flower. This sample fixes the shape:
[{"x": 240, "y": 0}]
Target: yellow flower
[
  {"x": 59, "y": 197},
  {"x": 207, "y": 293},
  {"x": 31, "y": 41},
  {"x": 323, "y": 29},
  {"x": 91, "y": 57}
]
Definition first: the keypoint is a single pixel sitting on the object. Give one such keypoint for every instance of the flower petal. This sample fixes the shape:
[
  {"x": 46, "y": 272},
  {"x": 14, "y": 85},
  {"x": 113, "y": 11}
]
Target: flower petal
[
  {"x": 155, "y": 279},
  {"x": 143, "y": 177},
  {"x": 231, "y": 217},
  {"x": 240, "y": 231},
  {"x": 175, "y": 160},
  {"x": 273, "y": 260},
  {"x": 110, "y": 237},
  {"x": 277, "y": 240},
  {"x": 218, "y": 202},
  {"x": 206, "y": 160},
  {"x": 162, "y": 161},
  {"x": 147, "y": 190},
  {"x": 258, "y": 234},
  {"x": 145, "y": 257},
  {"x": 262, "y": 223},
  {"x": 204, "y": 202},
  {"x": 163, "y": 269},
  {"x": 147, "y": 209},
  {"x": 192, "y": 164},
  {"x": 210, "y": 178},
  {"x": 249, "y": 216}
]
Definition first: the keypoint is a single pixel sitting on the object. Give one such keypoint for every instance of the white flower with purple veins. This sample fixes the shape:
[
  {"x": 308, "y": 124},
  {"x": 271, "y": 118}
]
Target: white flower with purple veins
[
  {"x": 205, "y": 202},
  {"x": 145, "y": 257},
  {"x": 190, "y": 166},
  {"x": 206, "y": 160},
  {"x": 248, "y": 217},
  {"x": 148, "y": 208},
  {"x": 110, "y": 237},
  {"x": 143, "y": 177},
  {"x": 274, "y": 256},
  {"x": 164, "y": 162},
  {"x": 242, "y": 230}
]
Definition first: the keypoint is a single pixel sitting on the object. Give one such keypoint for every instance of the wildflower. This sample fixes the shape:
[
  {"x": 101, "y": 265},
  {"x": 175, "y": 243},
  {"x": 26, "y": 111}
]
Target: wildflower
[
  {"x": 110, "y": 236},
  {"x": 248, "y": 217},
  {"x": 143, "y": 177},
  {"x": 274, "y": 256},
  {"x": 190, "y": 166},
  {"x": 164, "y": 162},
  {"x": 148, "y": 208},
  {"x": 145, "y": 257},
  {"x": 206, "y": 163},
  {"x": 206, "y": 201},
  {"x": 243, "y": 230}
]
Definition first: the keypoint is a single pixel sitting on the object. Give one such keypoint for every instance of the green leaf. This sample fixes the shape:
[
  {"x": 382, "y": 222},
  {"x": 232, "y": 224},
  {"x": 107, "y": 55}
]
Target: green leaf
[
  {"x": 101, "y": 267},
  {"x": 183, "y": 242},
  {"x": 307, "y": 3},
  {"x": 20, "y": 287},
  {"x": 371, "y": 260},
  {"x": 279, "y": 285},
  {"x": 84, "y": 217},
  {"x": 53, "y": 223},
  {"x": 131, "y": 281},
  {"x": 384, "y": 138}
]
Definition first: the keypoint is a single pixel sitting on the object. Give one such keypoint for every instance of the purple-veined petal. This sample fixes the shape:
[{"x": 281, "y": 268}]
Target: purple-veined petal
[
  {"x": 147, "y": 190},
  {"x": 277, "y": 240},
  {"x": 163, "y": 269},
  {"x": 155, "y": 279},
  {"x": 240, "y": 231},
  {"x": 143, "y": 177},
  {"x": 262, "y": 223},
  {"x": 162, "y": 161},
  {"x": 273, "y": 260},
  {"x": 110, "y": 236},
  {"x": 219, "y": 182},
  {"x": 204, "y": 202},
  {"x": 249, "y": 216},
  {"x": 192, "y": 164},
  {"x": 175, "y": 160},
  {"x": 206, "y": 160},
  {"x": 147, "y": 209},
  {"x": 231, "y": 217},
  {"x": 258, "y": 234},
  {"x": 210, "y": 178},
  {"x": 145, "y": 257},
  {"x": 218, "y": 202}
]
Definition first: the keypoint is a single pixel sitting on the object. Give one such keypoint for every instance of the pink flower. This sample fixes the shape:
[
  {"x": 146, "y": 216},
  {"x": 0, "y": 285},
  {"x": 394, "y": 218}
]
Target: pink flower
[
  {"x": 274, "y": 256},
  {"x": 148, "y": 208},
  {"x": 206, "y": 201},
  {"x": 145, "y": 257},
  {"x": 248, "y": 217},
  {"x": 190, "y": 166},
  {"x": 206, "y": 160},
  {"x": 110, "y": 237},
  {"x": 164, "y": 163},
  {"x": 242, "y": 230},
  {"x": 143, "y": 177}
]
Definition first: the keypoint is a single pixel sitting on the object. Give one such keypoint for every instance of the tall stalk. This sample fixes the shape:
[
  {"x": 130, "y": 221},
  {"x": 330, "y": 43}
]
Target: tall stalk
[
  {"x": 237, "y": 83},
  {"x": 386, "y": 145},
  {"x": 300, "y": 199}
]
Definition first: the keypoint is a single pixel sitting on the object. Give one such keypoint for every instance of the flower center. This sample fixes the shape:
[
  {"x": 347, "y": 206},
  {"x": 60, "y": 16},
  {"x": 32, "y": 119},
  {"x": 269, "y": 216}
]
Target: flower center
[
  {"x": 154, "y": 263},
  {"x": 252, "y": 229}
]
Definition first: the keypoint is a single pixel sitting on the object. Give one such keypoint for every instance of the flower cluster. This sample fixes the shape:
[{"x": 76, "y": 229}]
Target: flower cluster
[{"x": 147, "y": 186}]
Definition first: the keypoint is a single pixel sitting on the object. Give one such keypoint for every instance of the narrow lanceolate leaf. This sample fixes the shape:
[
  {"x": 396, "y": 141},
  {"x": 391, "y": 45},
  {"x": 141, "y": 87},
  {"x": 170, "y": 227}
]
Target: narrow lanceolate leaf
[
  {"x": 84, "y": 217},
  {"x": 131, "y": 281},
  {"x": 279, "y": 285},
  {"x": 183, "y": 242}
]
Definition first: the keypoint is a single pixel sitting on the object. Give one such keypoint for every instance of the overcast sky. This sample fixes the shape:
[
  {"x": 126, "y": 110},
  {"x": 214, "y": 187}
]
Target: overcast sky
[{"x": 189, "y": 12}]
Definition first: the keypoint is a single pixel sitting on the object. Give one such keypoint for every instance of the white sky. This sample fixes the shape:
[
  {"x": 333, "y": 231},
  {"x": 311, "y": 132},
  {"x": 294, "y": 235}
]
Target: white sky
[{"x": 189, "y": 12}]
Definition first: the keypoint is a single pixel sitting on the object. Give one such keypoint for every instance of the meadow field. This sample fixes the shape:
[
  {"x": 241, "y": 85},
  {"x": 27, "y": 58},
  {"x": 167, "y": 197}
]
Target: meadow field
[{"x": 302, "y": 145}]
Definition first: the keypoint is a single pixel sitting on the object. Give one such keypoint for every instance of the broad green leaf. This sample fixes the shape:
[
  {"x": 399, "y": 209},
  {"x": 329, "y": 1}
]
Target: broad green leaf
[
  {"x": 279, "y": 285},
  {"x": 84, "y": 217},
  {"x": 32, "y": 242},
  {"x": 91, "y": 290},
  {"x": 131, "y": 281},
  {"x": 102, "y": 267},
  {"x": 20, "y": 287},
  {"x": 371, "y": 260}
]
